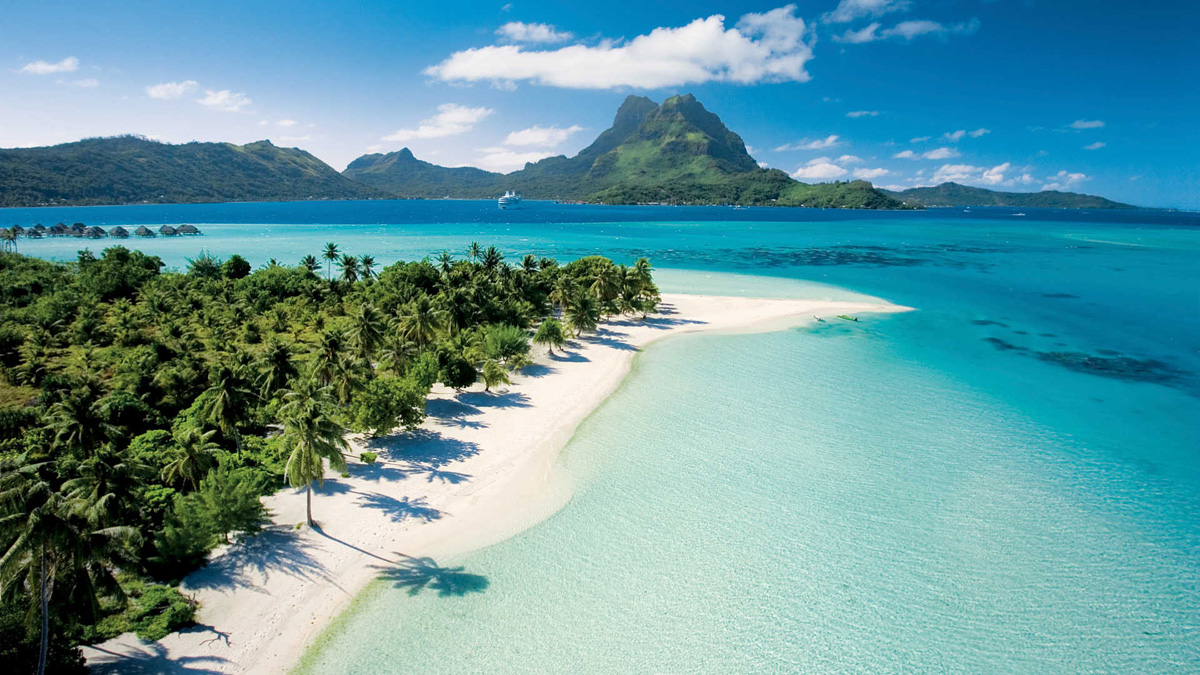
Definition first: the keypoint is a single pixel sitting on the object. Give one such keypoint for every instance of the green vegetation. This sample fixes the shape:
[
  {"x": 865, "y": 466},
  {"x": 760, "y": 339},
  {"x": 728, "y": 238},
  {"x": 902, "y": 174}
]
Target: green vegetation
[
  {"x": 953, "y": 194},
  {"x": 133, "y": 170},
  {"x": 674, "y": 153},
  {"x": 144, "y": 414}
]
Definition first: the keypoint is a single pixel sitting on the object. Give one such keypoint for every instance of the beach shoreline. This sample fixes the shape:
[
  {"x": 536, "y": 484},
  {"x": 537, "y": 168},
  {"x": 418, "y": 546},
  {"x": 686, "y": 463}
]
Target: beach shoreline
[{"x": 483, "y": 467}]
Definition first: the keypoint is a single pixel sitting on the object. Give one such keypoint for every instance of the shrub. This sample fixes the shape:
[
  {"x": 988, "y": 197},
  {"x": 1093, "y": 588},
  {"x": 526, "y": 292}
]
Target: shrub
[{"x": 368, "y": 457}]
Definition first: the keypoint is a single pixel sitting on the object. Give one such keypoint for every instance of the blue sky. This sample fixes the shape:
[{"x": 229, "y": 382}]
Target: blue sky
[{"x": 1098, "y": 97}]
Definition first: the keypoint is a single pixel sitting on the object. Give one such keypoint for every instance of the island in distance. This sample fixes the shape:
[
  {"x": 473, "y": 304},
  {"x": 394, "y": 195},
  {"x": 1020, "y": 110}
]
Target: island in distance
[{"x": 676, "y": 152}]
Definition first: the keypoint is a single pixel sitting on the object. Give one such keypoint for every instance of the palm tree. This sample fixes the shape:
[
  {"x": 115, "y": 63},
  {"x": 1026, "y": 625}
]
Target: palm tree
[
  {"x": 563, "y": 292},
  {"x": 107, "y": 487},
  {"x": 327, "y": 357},
  {"x": 445, "y": 262},
  {"x": 77, "y": 420},
  {"x": 228, "y": 401},
  {"x": 493, "y": 374},
  {"x": 368, "y": 267},
  {"x": 492, "y": 259},
  {"x": 276, "y": 366},
  {"x": 474, "y": 252},
  {"x": 529, "y": 263},
  {"x": 606, "y": 282},
  {"x": 9, "y": 236},
  {"x": 641, "y": 272},
  {"x": 349, "y": 268},
  {"x": 195, "y": 453},
  {"x": 313, "y": 436},
  {"x": 550, "y": 333},
  {"x": 309, "y": 262},
  {"x": 365, "y": 333},
  {"x": 583, "y": 314},
  {"x": 50, "y": 545},
  {"x": 330, "y": 254},
  {"x": 420, "y": 321}
]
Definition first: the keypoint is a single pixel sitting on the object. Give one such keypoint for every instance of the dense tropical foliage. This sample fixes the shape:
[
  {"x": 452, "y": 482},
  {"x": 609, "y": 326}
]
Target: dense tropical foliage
[{"x": 143, "y": 413}]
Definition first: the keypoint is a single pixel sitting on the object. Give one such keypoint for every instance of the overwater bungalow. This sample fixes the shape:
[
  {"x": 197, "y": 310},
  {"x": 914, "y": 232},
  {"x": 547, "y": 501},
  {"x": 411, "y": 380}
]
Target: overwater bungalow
[
  {"x": 34, "y": 234},
  {"x": 167, "y": 230},
  {"x": 144, "y": 231},
  {"x": 39, "y": 228},
  {"x": 188, "y": 229},
  {"x": 18, "y": 230},
  {"x": 58, "y": 230},
  {"x": 95, "y": 232},
  {"x": 119, "y": 232},
  {"x": 77, "y": 230}
]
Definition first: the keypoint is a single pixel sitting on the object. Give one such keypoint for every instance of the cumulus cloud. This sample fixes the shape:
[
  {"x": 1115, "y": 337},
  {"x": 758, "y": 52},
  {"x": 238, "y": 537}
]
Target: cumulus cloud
[
  {"x": 1001, "y": 174},
  {"x": 168, "y": 90},
  {"x": 224, "y": 100},
  {"x": 541, "y": 137},
  {"x": 506, "y": 159},
  {"x": 67, "y": 65},
  {"x": 905, "y": 154},
  {"x": 849, "y": 159},
  {"x": 821, "y": 168},
  {"x": 870, "y": 174},
  {"x": 849, "y": 10},
  {"x": 940, "y": 153},
  {"x": 450, "y": 120},
  {"x": 919, "y": 139},
  {"x": 1087, "y": 124},
  {"x": 955, "y": 136},
  {"x": 1064, "y": 180},
  {"x": 906, "y": 30},
  {"x": 862, "y": 113},
  {"x": 772, "y": 46},
  {"x": 516, "y": 31},
  {"x": 829, "y": 141},
  {"x": 1094, "y": 146}
]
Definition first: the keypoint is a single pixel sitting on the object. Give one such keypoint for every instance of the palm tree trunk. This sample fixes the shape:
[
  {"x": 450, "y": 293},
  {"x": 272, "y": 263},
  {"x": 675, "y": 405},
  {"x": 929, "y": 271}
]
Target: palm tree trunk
[
  {"x": 308, "y": 492},
  {"x": 45, "y": 601}
]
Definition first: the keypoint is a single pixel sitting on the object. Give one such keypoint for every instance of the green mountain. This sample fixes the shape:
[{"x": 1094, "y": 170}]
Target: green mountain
[
  {"x": 953, "y": 194},
  {"x": 677, "y": 152},
  {"x": 131, "y": 170}
]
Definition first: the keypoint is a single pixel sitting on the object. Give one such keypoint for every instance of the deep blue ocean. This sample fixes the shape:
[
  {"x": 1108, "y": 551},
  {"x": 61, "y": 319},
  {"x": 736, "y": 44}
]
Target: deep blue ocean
[{"x": 1005, "y": 480}]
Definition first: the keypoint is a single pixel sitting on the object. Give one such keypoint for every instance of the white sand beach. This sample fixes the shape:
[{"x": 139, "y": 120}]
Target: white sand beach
[{"x": 481, "y": 468}]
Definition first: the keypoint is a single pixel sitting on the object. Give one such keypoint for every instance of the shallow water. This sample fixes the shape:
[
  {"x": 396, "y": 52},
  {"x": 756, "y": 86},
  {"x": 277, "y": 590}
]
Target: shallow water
[{"x": 1005, "y": 480}]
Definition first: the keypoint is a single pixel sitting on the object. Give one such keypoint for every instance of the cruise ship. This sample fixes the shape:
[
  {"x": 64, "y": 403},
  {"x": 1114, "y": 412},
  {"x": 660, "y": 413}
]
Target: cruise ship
[{"x": 510, "y": 200}]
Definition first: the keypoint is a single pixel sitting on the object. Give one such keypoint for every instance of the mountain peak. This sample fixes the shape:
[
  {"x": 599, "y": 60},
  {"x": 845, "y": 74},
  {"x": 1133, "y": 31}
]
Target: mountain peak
[{"x": 405, "y": 153}]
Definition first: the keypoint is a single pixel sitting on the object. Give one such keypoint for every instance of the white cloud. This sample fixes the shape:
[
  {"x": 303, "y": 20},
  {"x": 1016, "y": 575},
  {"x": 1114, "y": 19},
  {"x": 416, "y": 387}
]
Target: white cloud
[
  {"x": 1001, "y": 174},
  {"x": 941, "y": 153},
  {"x": 224, "y": 100},
  {"x": 957, "y": 173},
  {"x": 1064, "y": 180},
  {"x": 506, "y": 160},
  {"x": 286, "y": 123},
  {"x": 451, "y": 119},
  {"x": 86, "y": 82},
  {"x": 919, "y": 139},
  {"x": 516, "y": 31},
  {"x": 507, "y": 7},
  {"x": 905, "y": 154},
  {"x": 849, "y": 159},
  {"x": 770, "y": 47},
  {"x": 849, "y": 10},
  {"x": 1087, "y": 124},
  {"x": 821, "y": 168},
  {"x": 168, "y": 90},
  {"x": 979, "y": 132},
  {"x": 862, "y": 113},
  {"x": 542, "y": 137},
  {"x": 1094, "y": 146},
  {"x": 829, "y": 141},
  {"x": 870, "y": 174},
  {"x": 955, "y": 136},
  {"x": 67, "y": 65},
  {"x": 906, "y": 30}
]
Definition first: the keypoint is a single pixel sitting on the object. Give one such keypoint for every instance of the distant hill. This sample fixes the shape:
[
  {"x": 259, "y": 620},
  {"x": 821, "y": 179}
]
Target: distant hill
[
  {"x": 953, "y": 194},
  {"x": 131, "y": 170},
  {"x": 677, "y": 152}
]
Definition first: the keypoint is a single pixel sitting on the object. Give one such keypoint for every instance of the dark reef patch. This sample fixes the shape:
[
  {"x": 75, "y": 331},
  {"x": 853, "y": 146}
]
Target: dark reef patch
[
  {"x": 1060, "y": 296},
  {"x": 1106, "y": 363},
  {"x": 988, "y": 322}
]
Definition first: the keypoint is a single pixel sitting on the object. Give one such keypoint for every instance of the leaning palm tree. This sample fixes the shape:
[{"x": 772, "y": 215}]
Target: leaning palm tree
[
  {"x": 420, "y": 321},
  {"x": 9, "y": 236},
  {"x": 349, "y": 265},
  {"x": 195, "y": 453},
  {"x": 313, "y": 437},
  {"x": 330, "y": 254},
  {"x": 309, "y": 262},
  {"x": 368, "y": 267},
  {"x": 493, "y": 374}
]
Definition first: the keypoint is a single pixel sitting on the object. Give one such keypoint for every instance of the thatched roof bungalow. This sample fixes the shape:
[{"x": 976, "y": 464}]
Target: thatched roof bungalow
[
  {"x": 95, "y": 232},
  {"x": 144, "y": 231},
  {"x": 77, "y": 230},
  {"x": 119, "y": 232},
  {"x": 57, "y": 230},
  {"x": 39, "y": 228},
  {"x": 167, "y": 230},
  {"x": 188, "y": 229},
  {"x": 34, "y": 234}
]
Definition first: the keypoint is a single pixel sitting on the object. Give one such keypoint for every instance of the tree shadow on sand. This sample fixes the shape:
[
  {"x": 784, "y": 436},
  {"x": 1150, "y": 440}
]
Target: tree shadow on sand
[
  {"x": 423, "y": 447},
  {"x": 419, "y": 574},
  {"x": 151, "y": 658},
  {"x": 453, "y": 412},
  {"x": 493, "y": 399},
  {"x": 399, "y": 510},
  {"x": 277, "y": 550}
]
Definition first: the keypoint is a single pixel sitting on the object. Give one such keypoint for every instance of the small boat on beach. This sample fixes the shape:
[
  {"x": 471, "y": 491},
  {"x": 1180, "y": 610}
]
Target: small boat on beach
[{"x": 843, "y": 317}]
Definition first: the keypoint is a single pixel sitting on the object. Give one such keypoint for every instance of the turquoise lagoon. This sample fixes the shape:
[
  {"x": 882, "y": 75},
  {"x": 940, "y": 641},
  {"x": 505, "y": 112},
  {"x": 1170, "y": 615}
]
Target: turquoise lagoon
[{"x": 1005, "y": 480}]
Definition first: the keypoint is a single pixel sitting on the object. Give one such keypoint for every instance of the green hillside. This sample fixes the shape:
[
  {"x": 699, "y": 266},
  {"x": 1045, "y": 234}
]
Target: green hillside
[
  {"x": 677, "y": 152},
  {"x": 953, "y": 194},
  {"x": 132, "y": 170}
]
